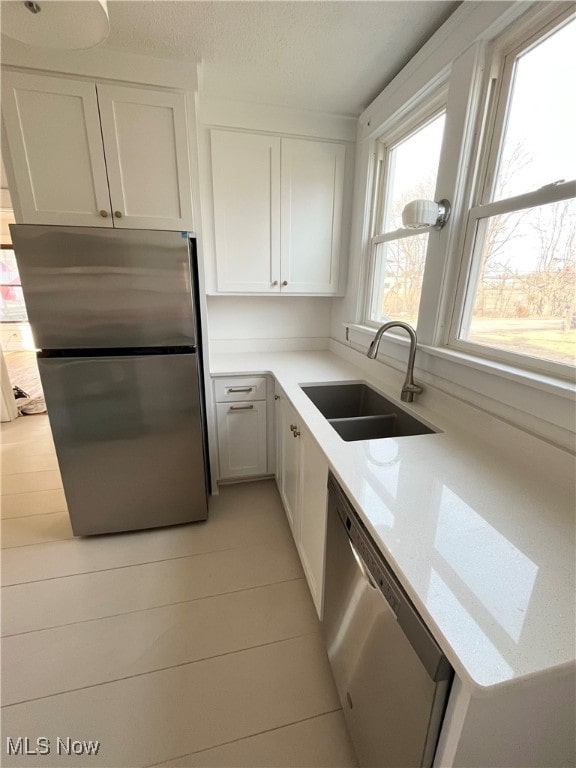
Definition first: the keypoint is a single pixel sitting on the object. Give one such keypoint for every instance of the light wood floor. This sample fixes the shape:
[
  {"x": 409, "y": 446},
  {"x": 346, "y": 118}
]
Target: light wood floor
[{"x": 195, "y": 645}]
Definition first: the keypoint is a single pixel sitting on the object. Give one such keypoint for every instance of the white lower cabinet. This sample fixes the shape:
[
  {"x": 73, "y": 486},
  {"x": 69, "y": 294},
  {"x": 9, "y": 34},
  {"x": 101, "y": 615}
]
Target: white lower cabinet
[
  {"x": 302, "y": 475},
  {"x": 290, "y": 474},
  {"x": 313, "y": 508},
  {"x": 241, "y": 439},
  {"x": 278, "y": 436},
  {"x": 241, "y": 422}
]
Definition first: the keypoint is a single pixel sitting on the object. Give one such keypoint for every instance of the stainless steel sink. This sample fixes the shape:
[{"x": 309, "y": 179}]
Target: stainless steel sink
[{"x": 358, "y": 412}]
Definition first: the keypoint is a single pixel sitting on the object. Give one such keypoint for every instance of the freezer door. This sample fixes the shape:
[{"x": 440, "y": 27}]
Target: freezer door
[
  {"x": 88, "y": 288},
  {"x": 129, "y": 438}
]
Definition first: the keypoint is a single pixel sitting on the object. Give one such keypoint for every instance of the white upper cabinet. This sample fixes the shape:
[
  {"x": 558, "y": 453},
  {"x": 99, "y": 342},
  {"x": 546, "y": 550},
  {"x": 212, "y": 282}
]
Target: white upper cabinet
[
  {"x": 246, "y": 184},
  {"x": 146, "y": 148},
  {"x": 311, "y": 215},
  {"x": 97, "y": 155},
  {"x": 53, "y": 133},
  {"x": 277, "y": 213}
]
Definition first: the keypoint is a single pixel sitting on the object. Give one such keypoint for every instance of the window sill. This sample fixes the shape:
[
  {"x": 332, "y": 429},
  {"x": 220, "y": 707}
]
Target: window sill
[
  {"x": 540, "y": 381},
  {"x": 537, "y": 403}
]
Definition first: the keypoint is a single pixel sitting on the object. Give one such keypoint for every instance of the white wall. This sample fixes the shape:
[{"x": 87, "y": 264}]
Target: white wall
[
  {"x": 236, "y": 323},
  {"x": 16, "y": 337}
]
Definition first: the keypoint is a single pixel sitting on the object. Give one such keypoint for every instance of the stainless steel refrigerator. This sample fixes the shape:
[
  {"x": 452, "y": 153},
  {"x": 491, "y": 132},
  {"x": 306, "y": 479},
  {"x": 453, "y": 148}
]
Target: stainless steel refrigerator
[{"x": 114, "y": 315}]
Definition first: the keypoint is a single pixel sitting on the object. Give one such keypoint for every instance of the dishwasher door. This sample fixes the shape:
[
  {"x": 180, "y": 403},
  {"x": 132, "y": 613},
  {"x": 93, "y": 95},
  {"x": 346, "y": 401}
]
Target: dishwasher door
[{"x": 392, "y": 677}]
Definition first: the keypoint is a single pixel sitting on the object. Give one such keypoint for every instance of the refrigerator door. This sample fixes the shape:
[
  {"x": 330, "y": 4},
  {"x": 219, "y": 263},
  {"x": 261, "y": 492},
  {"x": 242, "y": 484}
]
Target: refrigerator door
[
  {"x": 129, "y": 439},
  {"x": 95, "y": 288}
]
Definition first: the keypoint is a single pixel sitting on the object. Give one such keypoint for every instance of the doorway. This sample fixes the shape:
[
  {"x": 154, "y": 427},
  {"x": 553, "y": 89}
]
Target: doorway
[{"x": 16, "y": 337}]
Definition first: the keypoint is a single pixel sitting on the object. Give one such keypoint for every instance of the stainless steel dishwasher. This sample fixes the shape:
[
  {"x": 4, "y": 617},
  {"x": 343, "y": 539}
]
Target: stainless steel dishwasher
[{"x": 392, "y": 677}]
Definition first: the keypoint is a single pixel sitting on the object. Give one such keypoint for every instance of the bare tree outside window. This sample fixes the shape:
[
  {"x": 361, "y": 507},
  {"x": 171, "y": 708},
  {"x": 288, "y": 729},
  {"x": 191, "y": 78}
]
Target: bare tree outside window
[
  {"x": 524, "y": 264},
  {"x": 525, "y": 297},
  {"x": 412, "y": 168}
]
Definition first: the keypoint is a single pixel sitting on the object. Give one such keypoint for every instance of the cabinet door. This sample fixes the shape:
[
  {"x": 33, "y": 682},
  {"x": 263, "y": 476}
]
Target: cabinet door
[
  {"x": 312, "y": 196},
  {"x": 146, "y": 143},
  {"x": 312, "y": 542},
  {"x": 242, "y": 439},
  {"x": 278, "y": 396},
  {"x": 290, "y": 483},
  {"x": 53, "y": 134},
  {"x": 246, "y": 188}
]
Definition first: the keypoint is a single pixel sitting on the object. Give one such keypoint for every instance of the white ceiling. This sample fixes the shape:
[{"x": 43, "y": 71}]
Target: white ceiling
[{"x": 325, "y": 55}]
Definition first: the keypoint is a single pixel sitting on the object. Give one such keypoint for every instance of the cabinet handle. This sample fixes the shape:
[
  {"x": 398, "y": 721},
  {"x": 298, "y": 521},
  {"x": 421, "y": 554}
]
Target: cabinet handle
[
  {"x": 239, "y": 389},
  {"x": 241, "y": 408},
  {"x": 296, "y": 433},
  {"x": 284, "y": 282},
  {"x": 275, "y": 282},
  {"x": 118, "y": 214},
  {"x": 103, "y": 214}
]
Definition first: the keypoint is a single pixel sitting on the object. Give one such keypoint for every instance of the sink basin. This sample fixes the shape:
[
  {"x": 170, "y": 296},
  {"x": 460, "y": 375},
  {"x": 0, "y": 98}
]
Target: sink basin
[{"x": 358, "y": 412}]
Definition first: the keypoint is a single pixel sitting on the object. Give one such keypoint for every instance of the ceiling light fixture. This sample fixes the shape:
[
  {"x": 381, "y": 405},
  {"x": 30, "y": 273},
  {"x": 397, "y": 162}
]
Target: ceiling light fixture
[{"x": 64, "y": 24}]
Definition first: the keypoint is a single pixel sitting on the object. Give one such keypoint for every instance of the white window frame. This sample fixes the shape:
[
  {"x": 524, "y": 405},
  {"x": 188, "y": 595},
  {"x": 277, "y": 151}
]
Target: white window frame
[
  {"x": 398, "y": 129},
  {"x": 459, "y": 58},
  {"x": 498, "y": 92}
]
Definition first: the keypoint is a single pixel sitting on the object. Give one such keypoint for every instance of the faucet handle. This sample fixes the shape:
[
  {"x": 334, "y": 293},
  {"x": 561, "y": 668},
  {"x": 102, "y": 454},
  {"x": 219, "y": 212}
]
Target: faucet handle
[{"x": 408, "y": 392}]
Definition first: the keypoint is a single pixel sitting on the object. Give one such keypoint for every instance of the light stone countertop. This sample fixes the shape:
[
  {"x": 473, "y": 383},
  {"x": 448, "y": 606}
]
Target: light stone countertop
[{"x": 477, "y": 521}]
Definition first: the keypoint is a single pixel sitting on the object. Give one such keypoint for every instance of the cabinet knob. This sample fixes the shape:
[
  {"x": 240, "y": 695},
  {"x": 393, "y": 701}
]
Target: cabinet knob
[
  {"x": 275, "y": 282},
  {"x": 118, "y": 214},
  {"x": 296, "y": 433},
  {"x": 276, "y": 397},
  {"x": 284, "y": 282},
  {"x": 293, "y": 427},
  {"x": 103, "y": 214}
]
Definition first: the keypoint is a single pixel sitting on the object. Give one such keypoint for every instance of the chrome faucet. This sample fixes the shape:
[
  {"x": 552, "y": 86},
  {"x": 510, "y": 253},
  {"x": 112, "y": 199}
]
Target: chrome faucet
[{"x": 409, "y": 389}]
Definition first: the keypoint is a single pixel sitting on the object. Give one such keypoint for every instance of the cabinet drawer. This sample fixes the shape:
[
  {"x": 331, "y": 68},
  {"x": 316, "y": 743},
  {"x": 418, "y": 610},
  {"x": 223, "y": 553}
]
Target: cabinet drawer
[{"x": 237, "y": 389}]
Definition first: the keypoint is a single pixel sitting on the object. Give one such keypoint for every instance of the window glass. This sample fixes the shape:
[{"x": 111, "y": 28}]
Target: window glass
[
  {"x": 412, "y": 170},
  {"x": 411, "y": 167},
  {"x": 539, "y": 145},
  {"x": 398, "y": 283},
  {"x": 525, "y": 298},
  {"x": 521, "y": 294}
]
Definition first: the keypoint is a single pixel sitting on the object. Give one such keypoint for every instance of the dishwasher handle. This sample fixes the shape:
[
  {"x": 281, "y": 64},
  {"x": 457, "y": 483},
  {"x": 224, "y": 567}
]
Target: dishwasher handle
[{"x": 362, "y": 566}]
